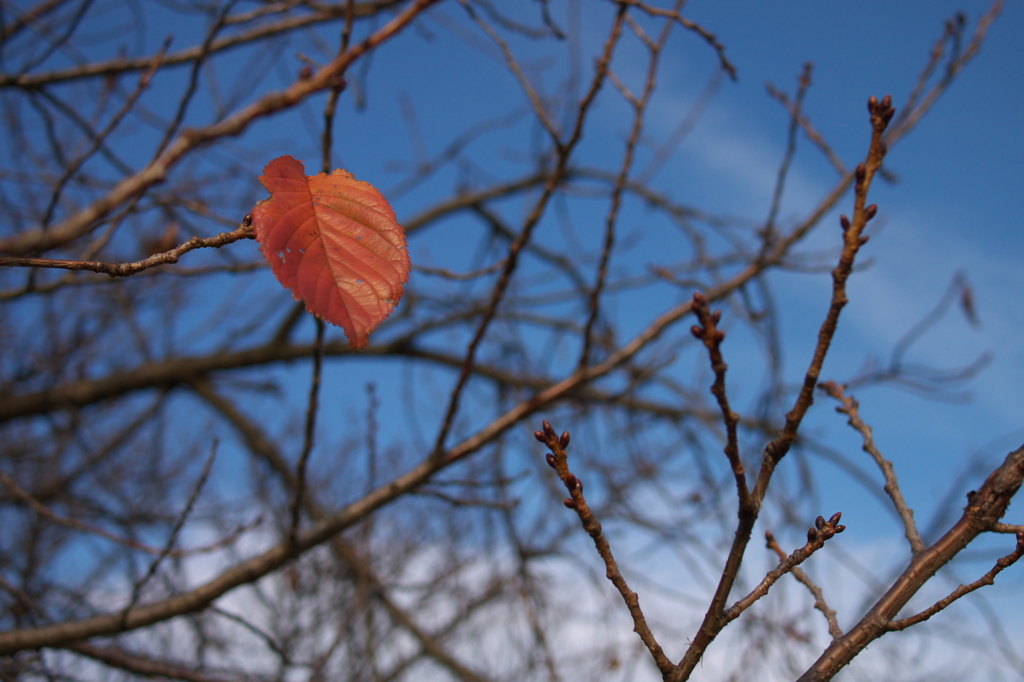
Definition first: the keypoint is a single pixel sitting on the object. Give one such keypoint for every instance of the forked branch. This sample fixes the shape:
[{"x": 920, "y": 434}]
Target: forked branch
[{"x": 853, "y": 238}]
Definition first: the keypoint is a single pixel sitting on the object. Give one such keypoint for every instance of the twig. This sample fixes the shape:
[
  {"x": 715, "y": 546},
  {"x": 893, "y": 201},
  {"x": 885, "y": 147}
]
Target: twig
[
  {"x": 193, "y": 78},
  {"x": 921, "y": 378},
  {"x": 27, "y": 18},
  {"x": 853, "y": 239},
  {"x": 98, "y": 140},
  {"x": 312, "y": 409},
  {"x": 524, "y": 82},
  {"x": 327, "y": 137},
  {"x": 565, "y": 150},
  {"x": 460, "y": 276},
  {"x": 812, "y": 587},
  {"x": 711, "y": 336},
  {"x": 143, "y": 666},
  {"x": 682, "y": 129},
  {"x": 708, "y": 37},
  {"x": 42, "y": 510},
  {"x": 850, "y": 407},
  {"x": 768, "y": 232},
  {"x": 128, "y": 269},
  {"x": 809, "y": 130},
  {"x": 558, "y": 460},
  {"x": 987, "y": 579},
  {"x": 816, "y": 538},
  {"x": 913, "y": 112},
  {"x": 639, "y": 111},
  {"x": 173, "y": 537}
]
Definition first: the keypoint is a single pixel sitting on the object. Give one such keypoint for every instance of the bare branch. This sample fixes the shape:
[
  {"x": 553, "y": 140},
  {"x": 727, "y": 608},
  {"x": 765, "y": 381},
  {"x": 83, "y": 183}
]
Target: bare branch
[
  {"x": 814, "y": 589},
  {"x": 850, "y": 408},
  {"x": 558, "y": 460},
  {"x": 984, "y": 510},
  {"x": 987, "y": 579}
]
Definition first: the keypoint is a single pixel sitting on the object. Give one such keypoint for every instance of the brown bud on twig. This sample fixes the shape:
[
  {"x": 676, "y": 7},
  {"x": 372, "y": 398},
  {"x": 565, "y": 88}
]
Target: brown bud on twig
[
  {"x": 840, "y": 528},
  {"x": 305, "y": 73},
  {"x": 539, "y": 435},
  {"x": 699, "y": 299},
  {"x": 864, "y": 239},
  {"x": 812, "y": 535},
  {"x": 570, "y": 482},
  {"x": 881, "y": 112},
  {"x": 698, "y": 332},
  {"x": 247, "y": 220},
  {"x": 338, "y": 83},
  {"x": 860, "y": 172},
  {"x": 569, "y": 503},
  {"x": 549, "y": 431},
  {"x": 550, "y": 459},
  {"x": 579, "y": 485},
  {"x": 819, "y": 522},
  {"x": 716, "y": 316},
  {"x": 834, "y": 519},
  {"x": 870, "y": 211},
  {"x": 563, "y": 440},
  {"x": 844, "y": 222}
]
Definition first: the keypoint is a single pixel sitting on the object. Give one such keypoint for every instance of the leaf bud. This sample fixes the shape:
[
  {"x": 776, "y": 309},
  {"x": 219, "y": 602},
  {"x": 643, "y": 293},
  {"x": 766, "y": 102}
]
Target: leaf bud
[
  {"x": 870, "y": 211},
  {"x": 845, "y": 222},
  {"x": 860, "y": 171},
  {"x": 247, "y": 220},
  {"x": 719, "y": 336},
  {"x": 305, "y": 72},
  {"x": 570, "y": 482},
  {"x": 716, "y": 316},
  {"x": 812, "y": 535},
  {"x": 698, "y": 332},
  {"x": 840, "y": 528},
  {"x": 819, "y": 522},
  {"x": 539, "y": 435},
  {"x": 872, "y": 103},
  {"x": 835, "y": 518},
  {"x": 579, "y": 485},
  {"x": 864, "y": 239},
  {"x": 887, "y": 101},
  {"x": 550, "y": 459},
  {"x": 569, "y": 503},
  {"x": 699, "y": 299},
  {"x": 549, "y": 432},
  {"x": 563, "y": 440}
]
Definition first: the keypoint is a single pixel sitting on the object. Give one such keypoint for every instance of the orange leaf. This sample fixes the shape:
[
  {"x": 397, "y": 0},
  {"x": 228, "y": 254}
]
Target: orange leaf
[{"x": 334, "y": 241}]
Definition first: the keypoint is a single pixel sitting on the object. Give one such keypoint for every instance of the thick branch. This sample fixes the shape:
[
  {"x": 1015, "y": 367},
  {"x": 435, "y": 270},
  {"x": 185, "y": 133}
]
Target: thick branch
[{"x": 984, "y": 510}]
